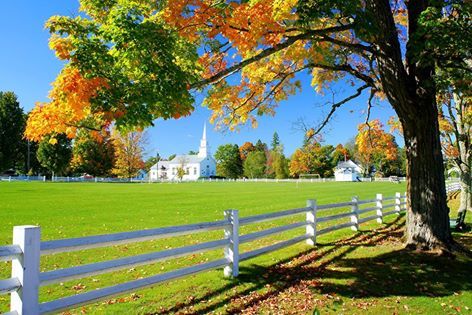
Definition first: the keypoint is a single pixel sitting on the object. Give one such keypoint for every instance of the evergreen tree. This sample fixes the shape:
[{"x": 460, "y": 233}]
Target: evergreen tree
[
  {"x": 275, "y": 142},
  {"x": 12, "y": 124}
]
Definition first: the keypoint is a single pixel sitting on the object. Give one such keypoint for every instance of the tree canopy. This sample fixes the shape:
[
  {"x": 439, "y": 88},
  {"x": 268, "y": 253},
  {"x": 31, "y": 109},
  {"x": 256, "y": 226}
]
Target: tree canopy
[
  {"x": 229, "y": 163},
  {"x": 12, "y": 123},
  {"x": 131, "y": 62}
]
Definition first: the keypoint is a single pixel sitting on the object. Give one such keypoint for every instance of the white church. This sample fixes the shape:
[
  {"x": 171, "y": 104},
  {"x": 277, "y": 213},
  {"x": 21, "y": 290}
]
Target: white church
[{"x": 194, "y": 166}]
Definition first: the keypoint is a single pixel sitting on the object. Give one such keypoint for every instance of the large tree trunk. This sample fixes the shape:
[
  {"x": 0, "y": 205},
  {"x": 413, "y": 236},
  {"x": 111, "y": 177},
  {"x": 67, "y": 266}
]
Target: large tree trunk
[
  {"x": 409, "y": 86},
  {"x": 465, "y": 200},
  {"x": 428, "y": 215},
  {"x": 466, "y": 190},
  {"x": 464, "y": 160}
]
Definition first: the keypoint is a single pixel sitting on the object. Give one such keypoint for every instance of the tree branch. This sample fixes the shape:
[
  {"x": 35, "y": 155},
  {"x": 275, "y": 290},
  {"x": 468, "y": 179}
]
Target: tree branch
[
  {"x": 336, "y": 105},
  {"x": 268, "y": 52}
]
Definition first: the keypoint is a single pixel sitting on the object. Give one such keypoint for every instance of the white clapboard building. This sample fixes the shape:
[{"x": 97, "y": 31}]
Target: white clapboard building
[
  {"x": 194, "y": 166},
  {"x": 347, "y": 171}
]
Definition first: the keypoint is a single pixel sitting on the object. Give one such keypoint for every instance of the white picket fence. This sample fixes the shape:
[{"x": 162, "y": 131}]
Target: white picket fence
[
  {"x": 27, "y": 249},
  {"x": 453, "y": 187},
  {"x": 25, "y": 178}
]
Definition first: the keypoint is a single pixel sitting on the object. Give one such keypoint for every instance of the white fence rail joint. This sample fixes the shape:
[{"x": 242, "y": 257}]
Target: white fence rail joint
[
  {"x": 26, "y": 251},
  {"x": 232, "y": 249},
  {"x": 379, "y": 210},
  {"x": 311, "y": 222},
  {"x": 355, "y": 214}
]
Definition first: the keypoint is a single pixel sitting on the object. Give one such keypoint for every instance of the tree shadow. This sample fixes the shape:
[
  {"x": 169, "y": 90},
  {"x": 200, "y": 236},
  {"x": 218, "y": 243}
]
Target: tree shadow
[
  {"x": 334, "y": 268},
  {"x": 398, "y": 273}
]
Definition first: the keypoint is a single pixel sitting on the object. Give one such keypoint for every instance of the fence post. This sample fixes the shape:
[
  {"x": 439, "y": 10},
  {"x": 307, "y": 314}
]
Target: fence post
[
  {"x": 26, "y": 269},
  {"x": 398, "y": 201},
  {"x": 379, "y": 208},
  {"x": 232, "y": 249},
  {"x": 406, "y": 202},
  {"x": 311, "y": 222},
  {"x": 355, "y": 214}
]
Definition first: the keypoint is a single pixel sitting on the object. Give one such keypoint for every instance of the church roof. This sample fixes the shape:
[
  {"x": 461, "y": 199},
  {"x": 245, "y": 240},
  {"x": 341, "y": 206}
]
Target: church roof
[
  {"x": 347, "y": 164},
  {"x": 186, "y": 158}
]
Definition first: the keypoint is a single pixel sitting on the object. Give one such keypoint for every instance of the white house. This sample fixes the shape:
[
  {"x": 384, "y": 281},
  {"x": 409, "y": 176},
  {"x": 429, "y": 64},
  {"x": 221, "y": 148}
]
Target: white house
[
  {"x": 194, "y": 166},
  {"x": 347, "y": 171}
]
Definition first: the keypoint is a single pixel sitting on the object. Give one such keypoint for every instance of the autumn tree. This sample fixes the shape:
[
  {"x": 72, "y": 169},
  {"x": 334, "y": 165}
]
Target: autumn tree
[
  {"x": 94, "y": 156},
  {"x": 341, "y": 153},
  {"x": 455, "y": 123},
  {"x": 54, "y": 153},
  {"x": 375, "y": 146},
  {"x": 132, "y": 62},
  {"x": 312, "y": 158},
  {"x": 245, "y": 149},
  {"x": 228, "y": 161},
  {"x": 12, "y": 124},
  {"x": 129, "y": 149}
]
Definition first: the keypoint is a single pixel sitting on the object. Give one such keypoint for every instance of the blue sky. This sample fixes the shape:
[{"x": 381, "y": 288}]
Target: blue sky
[{"x": 27, "y": 67}]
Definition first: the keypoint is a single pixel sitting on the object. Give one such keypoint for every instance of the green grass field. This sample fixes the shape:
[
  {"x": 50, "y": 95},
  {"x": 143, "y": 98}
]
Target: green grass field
[{"x": 346, "y": 273}]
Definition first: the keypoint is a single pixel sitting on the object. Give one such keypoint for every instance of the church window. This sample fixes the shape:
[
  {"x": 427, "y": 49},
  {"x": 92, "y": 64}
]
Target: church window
[
  {"x": 194, "y": 171},
  {"x": 187, "y": 170}
]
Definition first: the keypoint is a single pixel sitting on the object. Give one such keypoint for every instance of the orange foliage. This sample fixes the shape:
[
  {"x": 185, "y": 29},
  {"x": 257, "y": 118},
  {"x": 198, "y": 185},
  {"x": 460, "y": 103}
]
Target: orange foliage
[
  {"x": 373, "y": 141},
  {"x": 70, "y": 104},
  {"x": 245, "y": 149},
  {"x": 62, "y": 46}
]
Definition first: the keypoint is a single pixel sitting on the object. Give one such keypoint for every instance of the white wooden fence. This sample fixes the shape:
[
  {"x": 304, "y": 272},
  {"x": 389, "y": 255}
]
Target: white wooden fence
[
  {"x": 453, "y": 187},
  {"x": 25, "y": 178},
  {"x": 27, "y": 249}
]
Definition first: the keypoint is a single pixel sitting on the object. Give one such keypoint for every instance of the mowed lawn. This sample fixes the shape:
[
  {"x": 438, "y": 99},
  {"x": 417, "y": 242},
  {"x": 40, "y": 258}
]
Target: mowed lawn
[{"x": 356, "y": 275}]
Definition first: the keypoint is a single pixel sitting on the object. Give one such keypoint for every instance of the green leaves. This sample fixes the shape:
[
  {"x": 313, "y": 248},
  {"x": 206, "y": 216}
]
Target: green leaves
[{"x": 147, "y": 65}]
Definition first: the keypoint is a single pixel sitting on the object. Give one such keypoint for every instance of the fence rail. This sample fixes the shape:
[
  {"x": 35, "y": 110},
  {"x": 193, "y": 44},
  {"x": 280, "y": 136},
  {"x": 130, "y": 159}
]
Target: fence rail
[{"x": 27, "y": 249}]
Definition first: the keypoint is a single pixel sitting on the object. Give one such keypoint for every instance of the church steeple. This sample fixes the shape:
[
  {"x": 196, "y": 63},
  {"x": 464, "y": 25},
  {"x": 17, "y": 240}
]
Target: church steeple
[{"x": 204, "y": 149}]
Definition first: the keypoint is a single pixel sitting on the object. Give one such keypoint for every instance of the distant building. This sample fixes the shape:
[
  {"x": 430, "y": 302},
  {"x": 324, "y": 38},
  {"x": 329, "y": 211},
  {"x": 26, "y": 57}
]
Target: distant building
[
  {"x": 194, "y": 166},
  {"x": 347, "y": 171}
]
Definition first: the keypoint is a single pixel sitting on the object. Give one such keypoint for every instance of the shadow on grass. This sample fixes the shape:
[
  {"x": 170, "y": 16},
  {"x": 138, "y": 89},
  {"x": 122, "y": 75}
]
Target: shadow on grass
[{"x": 327, "y": 270}]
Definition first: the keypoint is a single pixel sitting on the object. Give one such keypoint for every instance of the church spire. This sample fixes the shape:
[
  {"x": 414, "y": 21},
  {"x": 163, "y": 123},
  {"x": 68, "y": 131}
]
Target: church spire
[{"x": 204, "y": 149}]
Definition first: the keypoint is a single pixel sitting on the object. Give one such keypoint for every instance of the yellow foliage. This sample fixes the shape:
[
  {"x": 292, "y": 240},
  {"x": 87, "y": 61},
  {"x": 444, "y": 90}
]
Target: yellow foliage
[{"x": 70, "y": 104}]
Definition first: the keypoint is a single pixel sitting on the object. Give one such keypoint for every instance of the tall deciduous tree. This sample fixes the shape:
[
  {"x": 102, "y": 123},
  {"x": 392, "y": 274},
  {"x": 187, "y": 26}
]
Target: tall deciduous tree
[
  {"x": 341, "y": 153},
  {"x": 12, "y": 124},
  {"x": 279, "y": 164},
  {"x": 255, "y": 164},
  {"x": 245, "y": 149},
  {"x": 313, "y": 158},
  {"x": 375, "y": 146},
  {"x": 54, "y": 153},
  {"x": 92, "y": 155},
  {"x": 228, "y": 161},
  {"x": 136, "y": 61},
  {"x": 129, "y": 149}
]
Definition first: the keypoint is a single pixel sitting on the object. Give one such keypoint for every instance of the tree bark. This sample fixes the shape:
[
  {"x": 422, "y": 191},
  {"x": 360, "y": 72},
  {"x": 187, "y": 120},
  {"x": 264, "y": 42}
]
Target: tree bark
[
  {"x": 464, "y": 160},
  {"x": 411, "y": 91},
  {"x": 428, "y": 213}
]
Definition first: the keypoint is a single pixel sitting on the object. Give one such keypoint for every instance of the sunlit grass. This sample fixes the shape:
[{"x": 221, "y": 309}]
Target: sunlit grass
[{"x": 70, "y": 210}]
